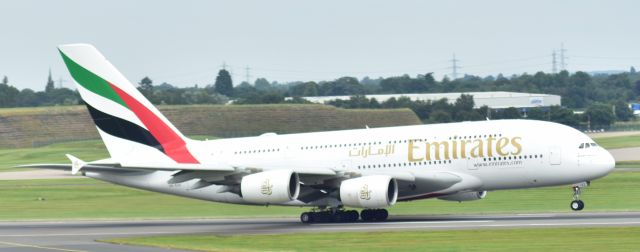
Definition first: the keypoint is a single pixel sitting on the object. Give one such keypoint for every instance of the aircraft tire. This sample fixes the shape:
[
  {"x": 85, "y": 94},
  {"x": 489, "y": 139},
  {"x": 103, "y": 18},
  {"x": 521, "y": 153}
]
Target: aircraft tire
[
  {"x": 306, "y": 217},
  {"x": 367, "y": 215},
  {"x": 381, "y": 214},
  {"x": 577, "y": 205}
]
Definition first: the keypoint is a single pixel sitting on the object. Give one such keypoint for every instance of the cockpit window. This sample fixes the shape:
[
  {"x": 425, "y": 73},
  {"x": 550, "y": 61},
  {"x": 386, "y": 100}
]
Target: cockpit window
[
  {"x": 594, "y": 144},
  {"x": 581, "y": 146}
]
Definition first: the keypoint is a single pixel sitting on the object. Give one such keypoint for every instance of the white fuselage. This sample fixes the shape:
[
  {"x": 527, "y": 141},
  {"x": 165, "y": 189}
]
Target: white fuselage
[{"x": 489, "y": 155}]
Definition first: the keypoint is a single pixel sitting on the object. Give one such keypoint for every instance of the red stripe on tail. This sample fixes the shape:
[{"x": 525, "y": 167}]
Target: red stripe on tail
[{"x": 174, "y": 146}]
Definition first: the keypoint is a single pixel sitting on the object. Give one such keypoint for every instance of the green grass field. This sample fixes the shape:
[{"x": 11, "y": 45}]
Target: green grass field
[
  {"x": 628, "y": 164},
  {"x": 91, "y": 199},
  {"x": 619, "y": 142},
  {"x": 542, "y": 239},
  {"x": 86, "y": 150}
]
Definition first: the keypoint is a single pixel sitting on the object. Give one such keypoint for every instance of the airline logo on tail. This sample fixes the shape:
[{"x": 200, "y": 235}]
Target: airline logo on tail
[{"x": 146, "y": 128}]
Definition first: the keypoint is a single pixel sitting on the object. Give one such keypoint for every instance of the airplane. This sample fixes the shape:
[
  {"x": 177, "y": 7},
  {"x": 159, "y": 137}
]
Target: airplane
[{"x": 370, "y": 169}]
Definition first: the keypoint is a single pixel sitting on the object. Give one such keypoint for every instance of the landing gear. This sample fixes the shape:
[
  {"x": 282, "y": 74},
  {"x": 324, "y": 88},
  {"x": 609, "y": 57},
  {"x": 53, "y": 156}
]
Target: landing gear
[
  {"x": 336, "y": 215},
  {"x": 577, "y": 204},
  {"x": 374, "y": 215},
  {"x": 329, "y": 216}
]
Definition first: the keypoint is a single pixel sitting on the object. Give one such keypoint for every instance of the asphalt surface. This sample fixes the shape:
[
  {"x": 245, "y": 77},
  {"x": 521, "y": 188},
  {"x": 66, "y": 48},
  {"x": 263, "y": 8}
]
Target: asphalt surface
[{"x": 82, "y": 235}]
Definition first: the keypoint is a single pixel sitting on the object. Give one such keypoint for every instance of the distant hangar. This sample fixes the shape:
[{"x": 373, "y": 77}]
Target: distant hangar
[{"x": 494, "y": 100}]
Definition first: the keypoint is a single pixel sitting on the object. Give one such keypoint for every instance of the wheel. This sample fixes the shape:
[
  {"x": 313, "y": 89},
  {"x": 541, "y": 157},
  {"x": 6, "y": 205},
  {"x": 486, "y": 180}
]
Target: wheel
[
  {"x": 381, "y": 214},
  {"x": 353, "y": 216},
  {"x": 577, "y": 205},
  {"x": 341, "y": 216},
  {"x": 366, "y": 215},
  {"x": 322, "y": 217},
  {"x": 306, "y": 217}
]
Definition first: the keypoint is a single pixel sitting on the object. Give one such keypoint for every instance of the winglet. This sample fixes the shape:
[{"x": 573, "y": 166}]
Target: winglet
[{"x": 76, "y": 164}]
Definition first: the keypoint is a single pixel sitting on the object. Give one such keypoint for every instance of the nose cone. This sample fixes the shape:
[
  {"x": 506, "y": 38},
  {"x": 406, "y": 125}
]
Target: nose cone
[{"x": 603, "y": 163}]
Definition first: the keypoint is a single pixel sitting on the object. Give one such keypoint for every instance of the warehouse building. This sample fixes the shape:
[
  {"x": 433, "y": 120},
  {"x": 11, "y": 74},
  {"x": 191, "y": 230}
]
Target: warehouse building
[{"x": 494, "y": 100}]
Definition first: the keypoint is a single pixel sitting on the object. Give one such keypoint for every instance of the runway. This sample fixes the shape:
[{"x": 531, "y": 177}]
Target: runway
[{"x": 81, "y": 235}]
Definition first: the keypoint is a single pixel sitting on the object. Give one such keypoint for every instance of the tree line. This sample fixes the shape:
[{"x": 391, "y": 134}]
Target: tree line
[{"x": 579, "y": 90}]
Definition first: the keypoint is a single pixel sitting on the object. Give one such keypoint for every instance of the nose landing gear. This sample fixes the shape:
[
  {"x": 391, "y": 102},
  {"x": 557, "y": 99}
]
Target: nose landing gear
[{"x": 577, "y": 204}]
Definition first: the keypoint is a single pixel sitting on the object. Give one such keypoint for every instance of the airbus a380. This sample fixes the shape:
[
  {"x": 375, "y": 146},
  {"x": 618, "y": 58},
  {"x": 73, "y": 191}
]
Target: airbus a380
[{"x": 370, "y": 168}]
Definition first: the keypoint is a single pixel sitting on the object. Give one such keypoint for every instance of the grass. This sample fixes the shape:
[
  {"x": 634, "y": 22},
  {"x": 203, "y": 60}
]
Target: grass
[
  {"x": 86, "y": 150},
  {"x": 619, "y": 142},
  {"x": 28, "y": 127},
  {"x": 628, "y": 164},
  {"x": 538, "y": 239},
  {"x": 91, "y": 199}
]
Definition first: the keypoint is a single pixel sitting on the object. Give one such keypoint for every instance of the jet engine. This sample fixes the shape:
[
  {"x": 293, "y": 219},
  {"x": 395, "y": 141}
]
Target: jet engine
[
  {"x": 465, "y": 196},
  {"x": 269, "y": 187},
  {"x": 375, "y": 191}
]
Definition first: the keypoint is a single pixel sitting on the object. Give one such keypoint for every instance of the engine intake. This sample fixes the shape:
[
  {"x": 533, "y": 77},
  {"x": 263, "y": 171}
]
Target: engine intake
[
  {"x": 465, "y": 196},
  {"x": 270, "y": 187},
  {"x": 375, "y": 191}
]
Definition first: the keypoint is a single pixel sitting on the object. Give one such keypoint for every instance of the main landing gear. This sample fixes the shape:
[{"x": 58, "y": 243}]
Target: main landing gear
[
  {"x": 577, "y": 204},
  {"x": 340, "y": 216}
]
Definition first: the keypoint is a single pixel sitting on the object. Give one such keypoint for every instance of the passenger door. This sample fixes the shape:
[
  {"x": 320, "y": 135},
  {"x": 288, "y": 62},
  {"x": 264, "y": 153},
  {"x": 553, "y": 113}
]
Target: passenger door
[{"x": 555, "y": 155}]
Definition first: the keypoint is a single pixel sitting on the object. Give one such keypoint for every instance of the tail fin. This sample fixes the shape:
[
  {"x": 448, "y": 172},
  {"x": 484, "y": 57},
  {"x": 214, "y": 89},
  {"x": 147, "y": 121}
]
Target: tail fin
[{"x": 130, "y": 126}]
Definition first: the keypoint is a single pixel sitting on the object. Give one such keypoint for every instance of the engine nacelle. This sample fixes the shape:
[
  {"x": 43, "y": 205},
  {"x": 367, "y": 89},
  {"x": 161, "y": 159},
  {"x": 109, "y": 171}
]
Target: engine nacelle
[
  {"x": 375, "y": 191},
  {"x": 465, "y": 196},
  {"x": 270, "y": 187}
]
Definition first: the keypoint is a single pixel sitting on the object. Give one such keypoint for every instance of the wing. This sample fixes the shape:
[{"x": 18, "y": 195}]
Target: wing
[{"x": 316, "y": 183}]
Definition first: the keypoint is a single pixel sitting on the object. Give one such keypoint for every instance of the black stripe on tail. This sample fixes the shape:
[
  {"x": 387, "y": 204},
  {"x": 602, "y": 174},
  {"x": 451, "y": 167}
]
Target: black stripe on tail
[{"x": 121, "y": 128}]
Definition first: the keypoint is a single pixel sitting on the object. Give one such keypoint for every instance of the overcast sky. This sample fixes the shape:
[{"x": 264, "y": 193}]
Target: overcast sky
[{"x": 185, "y": 42}]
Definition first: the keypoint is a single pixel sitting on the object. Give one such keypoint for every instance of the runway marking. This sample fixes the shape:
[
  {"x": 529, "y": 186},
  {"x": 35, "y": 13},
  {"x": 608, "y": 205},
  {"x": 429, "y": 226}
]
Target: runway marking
[
  {"x": 38, "y": 247},
  {"x": 88, "y": 234},
  {"x": 329, "y": 227},
  {"x": 405, "y": 222},
  {"x": 571, "y": 224},
  {"x": 535, "y": 215}
]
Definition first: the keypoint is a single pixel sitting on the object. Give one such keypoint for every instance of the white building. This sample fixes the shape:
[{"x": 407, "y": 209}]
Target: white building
[{"x": 495, "y": 100}]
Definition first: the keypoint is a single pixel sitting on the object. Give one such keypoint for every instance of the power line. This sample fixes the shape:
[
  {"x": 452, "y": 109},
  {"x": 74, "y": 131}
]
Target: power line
[
  {"x": 60, "y": 81},
  {"x": 454, "y": 67},
  {"x": 247, "y": 74},
  {"x": 563, "y": 57},
  {"x": 554, "y": 68}
]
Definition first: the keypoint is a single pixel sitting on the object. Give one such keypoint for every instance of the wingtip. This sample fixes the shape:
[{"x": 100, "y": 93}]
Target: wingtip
[{"x": 76, "y": 164}]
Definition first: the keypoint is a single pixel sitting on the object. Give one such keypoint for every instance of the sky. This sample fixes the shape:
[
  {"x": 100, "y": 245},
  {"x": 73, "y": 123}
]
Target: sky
[{"x": 185, "y": 43}]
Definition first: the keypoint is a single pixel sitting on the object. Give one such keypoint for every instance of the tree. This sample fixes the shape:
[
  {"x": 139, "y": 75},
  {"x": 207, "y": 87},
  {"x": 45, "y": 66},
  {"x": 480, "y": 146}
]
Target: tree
[
  {"x": 537, "y": 113},
  {"x": 223, "y": 84},
  {"x": 600, "y": 116},
  {"x": 8, "y": 95},
  {"x": 262, "y": 84},
  {"x": 305, "y": 89},
  {"x": 146, "y": 87},
  {"x": 440, "y": 116},
  {"x": 563, "y": 116},
  {"x": 632, "y": 70},
  {"x": 50, "y": 84},
  {"x": 27, "y": 98},
  {"x": 622, "y": 110},
  {"x": 342, "y": 86},
  {"x": 5, "y": 80},
  {"x": 509, "y": 113}
]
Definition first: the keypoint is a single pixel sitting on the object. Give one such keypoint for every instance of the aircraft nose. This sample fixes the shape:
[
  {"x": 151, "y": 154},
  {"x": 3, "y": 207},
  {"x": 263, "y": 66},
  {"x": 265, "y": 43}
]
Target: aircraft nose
[{"x": 605, "y": 162}]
